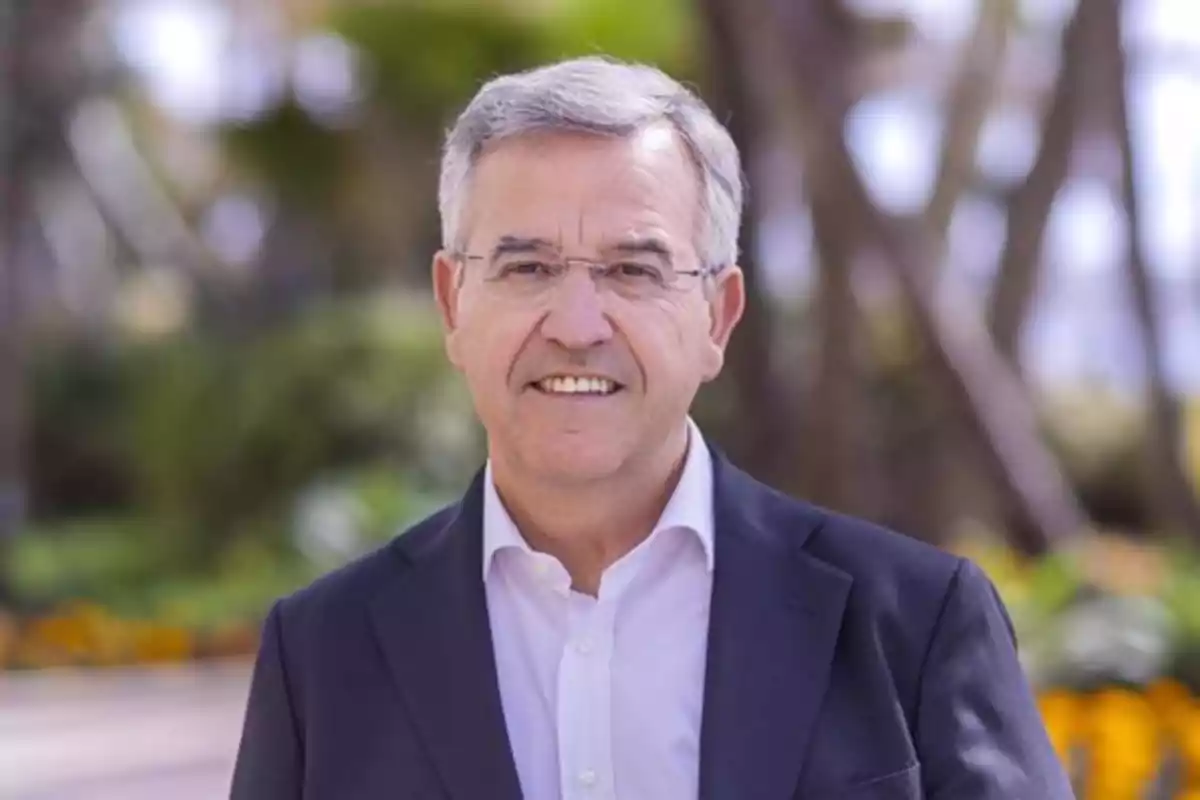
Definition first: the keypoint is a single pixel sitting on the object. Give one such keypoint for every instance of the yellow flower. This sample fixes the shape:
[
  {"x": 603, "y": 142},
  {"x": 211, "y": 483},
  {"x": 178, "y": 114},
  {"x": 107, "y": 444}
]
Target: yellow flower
[
  {"x": 1172, "y": 703},
  {"x": 1124, "y": 740},
  {"x": 1062, "y": 715},
  {"x": 9, "y": 639},
  {"x": 1189, "y": 746},
  {"x": 161, "y": 644}
]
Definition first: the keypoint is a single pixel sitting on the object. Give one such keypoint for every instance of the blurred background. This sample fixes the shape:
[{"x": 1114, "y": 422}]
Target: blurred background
[{"x": 974, "y": 262}]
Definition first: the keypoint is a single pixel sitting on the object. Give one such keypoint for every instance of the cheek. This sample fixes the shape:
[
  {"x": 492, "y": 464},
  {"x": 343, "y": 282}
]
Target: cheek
[
  {"x": 670, "y": 339},
  {"x": 690, "y": 326},
  {"x": 487, "y": 345}
]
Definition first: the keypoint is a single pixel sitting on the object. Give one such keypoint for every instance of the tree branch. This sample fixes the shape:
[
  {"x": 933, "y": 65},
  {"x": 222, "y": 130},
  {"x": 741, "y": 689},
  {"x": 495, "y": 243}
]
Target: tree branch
[
  {"x": 12, "y": 401},
  {"x": 967, "y": 108},
  {"x": 1177, "y": 505},
  {"x": 768, "y": 415},
  {"x": 1030, "y": 204},
  {"x": 989, "y": 394}
]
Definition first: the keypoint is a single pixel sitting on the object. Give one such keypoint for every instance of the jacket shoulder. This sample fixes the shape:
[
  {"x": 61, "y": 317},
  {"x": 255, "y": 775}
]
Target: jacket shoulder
[
  {"x": 356, "y": 581},
  {"x": 883, "y": 558},
  {"x": 900, "y": 586},
  {"x": 877, "y": 558},
  {"x": 899, "y": 593}
]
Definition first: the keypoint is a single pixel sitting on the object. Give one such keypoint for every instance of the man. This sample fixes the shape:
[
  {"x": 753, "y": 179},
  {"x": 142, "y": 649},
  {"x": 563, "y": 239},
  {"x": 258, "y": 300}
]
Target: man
[{"x": 613, "y": 610}]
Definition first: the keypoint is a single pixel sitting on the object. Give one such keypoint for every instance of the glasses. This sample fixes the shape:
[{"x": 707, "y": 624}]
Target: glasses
[{"x": 533, "y": 276}]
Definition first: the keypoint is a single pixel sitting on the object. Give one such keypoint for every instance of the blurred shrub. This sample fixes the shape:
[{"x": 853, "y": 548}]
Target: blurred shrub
[
  {"x": 363, "y": 178},
  {"x": 80, "y": 458},
  {"x": 110, "y": 560},
  {"x": 1106, "y": 611},
  {"x": 344, "y": 514},
  {"x": 84, "y": 634},
  {"x": 224, "y": 434},
  {"x": 1101, "y": 438},
  {"x": 1109, "y": 637},
  {"x": 426, "y": 59},
  {"x": 216, "y": 438},
  {"x": 97, "y": 592}
]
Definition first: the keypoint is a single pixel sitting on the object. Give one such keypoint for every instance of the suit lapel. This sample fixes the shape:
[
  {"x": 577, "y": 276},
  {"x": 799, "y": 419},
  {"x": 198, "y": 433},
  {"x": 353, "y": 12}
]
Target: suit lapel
[
  {"x": 433, "y": 628},
  {"x": 776, "y": 613}
]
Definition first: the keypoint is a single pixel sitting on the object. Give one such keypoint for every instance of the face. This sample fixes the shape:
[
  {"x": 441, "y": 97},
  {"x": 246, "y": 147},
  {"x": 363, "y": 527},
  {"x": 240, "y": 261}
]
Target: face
[{"x": 637, "y": 358}]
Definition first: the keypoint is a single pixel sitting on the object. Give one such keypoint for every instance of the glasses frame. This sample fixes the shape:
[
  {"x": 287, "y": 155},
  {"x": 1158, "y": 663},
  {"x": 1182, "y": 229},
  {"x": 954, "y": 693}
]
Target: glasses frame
[{"x": 704, "y": 271}]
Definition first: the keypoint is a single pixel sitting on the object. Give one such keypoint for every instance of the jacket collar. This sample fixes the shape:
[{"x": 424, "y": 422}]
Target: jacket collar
[
  {"x": 690, "y": 506},
  {"x": 775, "y": 616}
]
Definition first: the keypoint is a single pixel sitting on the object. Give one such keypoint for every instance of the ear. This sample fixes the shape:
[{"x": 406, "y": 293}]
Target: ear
[
  {"x": 447, "y": 285},
  {"x": 727, "y": 302}
]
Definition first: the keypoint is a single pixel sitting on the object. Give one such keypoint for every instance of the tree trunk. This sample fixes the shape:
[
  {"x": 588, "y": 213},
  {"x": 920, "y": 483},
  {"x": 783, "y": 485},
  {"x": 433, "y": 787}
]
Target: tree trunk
[
  {"x": 767, "y": 419},
  {"x": 39, "y": 79},
  {"x": 967, "y": 109},
  {"x": 12, "y": 372},
  {"x": 989, "y": 394},
  {"x": 836, "y": 409},
  {"x": 926, "y": 486},
  {"x": 1031, "y": 202},
  {"x": 1176, "y": 505}
]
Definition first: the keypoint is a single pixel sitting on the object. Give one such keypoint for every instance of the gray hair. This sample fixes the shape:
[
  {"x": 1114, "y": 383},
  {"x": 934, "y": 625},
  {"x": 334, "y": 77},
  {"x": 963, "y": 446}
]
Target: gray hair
[{"x": 602, "y": 96}]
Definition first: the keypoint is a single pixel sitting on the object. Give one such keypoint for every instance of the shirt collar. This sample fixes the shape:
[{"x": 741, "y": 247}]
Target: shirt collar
[{"x": 690, "y": 506}]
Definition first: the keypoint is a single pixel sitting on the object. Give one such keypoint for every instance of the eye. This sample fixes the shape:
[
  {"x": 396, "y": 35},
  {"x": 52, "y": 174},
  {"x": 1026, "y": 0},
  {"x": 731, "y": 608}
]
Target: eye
[
  {"x": 632, "y": 270},
  {"x": 526, "y": 269}
]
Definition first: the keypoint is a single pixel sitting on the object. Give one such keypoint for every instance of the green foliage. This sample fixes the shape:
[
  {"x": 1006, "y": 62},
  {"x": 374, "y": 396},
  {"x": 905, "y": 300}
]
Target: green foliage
[
  {"x": 423, "y": 62},
  {"x": 662, "y": 33},
  {"x": 1054, "y": 582},
  {"x": 239, "y": 590},
  {"x": 215, "y": 438},
  {"x": 1110, "y": 611},
  {"x": 1181, "y": 597},
  {"x": 301, "y": 159},
  {"x": 223, "y": 440},
  {"x": 117, "y": 564},
  {"x": 124, "y": 566},
  {"x": 1182, "y": 594},
  {"x": 1099, "y": 438},
  {"x": 388, "y": 500},
  {"x": 109, "y": 560},
  {"x": 427, "y": 59},
  {"x": 226, "y": 434},
  {"x": 78, "y": 390}
]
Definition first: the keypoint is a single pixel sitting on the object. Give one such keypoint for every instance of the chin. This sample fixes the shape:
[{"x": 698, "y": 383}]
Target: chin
[{"x": 575, "y": 462}]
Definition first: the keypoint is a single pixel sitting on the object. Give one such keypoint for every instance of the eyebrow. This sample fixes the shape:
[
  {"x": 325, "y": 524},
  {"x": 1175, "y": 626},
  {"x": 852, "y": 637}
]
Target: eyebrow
[
  {"x": 509, "y": 245},
  {"x": 516, "y": 245},
  {"x": 648, "y": 245}
]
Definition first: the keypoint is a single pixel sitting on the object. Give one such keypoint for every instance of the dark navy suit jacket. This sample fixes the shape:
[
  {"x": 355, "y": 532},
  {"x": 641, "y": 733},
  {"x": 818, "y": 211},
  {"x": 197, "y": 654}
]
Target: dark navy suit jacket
[{"x": 844, "y": 661}]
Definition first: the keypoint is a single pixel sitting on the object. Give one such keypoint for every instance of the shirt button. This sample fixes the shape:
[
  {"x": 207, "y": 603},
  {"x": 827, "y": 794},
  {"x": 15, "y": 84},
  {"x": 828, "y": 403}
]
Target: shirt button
[
  {"x": 584, "y": 647},
  {"x": 588, "y": 778}
]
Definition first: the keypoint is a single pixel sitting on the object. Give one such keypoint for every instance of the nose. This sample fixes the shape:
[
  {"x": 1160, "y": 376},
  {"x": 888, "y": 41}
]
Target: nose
[{"x": 576, "y": 318}]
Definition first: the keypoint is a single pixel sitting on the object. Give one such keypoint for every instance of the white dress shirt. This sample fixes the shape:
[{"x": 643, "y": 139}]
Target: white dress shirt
[{"x": 603, "y": 695}]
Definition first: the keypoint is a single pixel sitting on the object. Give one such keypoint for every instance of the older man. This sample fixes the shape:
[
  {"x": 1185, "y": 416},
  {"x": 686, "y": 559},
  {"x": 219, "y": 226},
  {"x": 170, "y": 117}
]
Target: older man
[{"x": 613, "y": 610}]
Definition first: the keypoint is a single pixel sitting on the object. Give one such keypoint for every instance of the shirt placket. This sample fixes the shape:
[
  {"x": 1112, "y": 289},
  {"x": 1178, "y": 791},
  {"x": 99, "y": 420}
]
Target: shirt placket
[{"x": 585, "y": 701}]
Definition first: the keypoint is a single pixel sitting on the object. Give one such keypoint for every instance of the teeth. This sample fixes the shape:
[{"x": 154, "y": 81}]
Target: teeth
[{"x": 569, "y": 385}]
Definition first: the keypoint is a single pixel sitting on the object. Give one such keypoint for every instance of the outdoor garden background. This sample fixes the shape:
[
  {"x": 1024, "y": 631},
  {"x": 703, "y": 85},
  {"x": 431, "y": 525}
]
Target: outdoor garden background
[{"x": 973, "y": 253}]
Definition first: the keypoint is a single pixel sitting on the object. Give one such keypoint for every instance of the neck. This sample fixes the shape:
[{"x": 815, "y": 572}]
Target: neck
[{"x": 588, "y": 527}]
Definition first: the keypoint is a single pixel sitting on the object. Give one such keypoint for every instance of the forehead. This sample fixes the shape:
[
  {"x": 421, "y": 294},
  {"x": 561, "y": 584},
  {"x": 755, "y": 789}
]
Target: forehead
[{"x": 585, "y": 190}]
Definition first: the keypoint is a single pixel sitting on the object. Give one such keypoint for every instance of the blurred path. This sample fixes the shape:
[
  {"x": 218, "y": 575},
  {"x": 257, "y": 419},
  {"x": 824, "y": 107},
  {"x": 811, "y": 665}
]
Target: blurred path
[{"x": 127, "y": 734}]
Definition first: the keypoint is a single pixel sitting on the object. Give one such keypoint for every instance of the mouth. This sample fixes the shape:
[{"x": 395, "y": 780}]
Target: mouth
[{"x": 576, "y": 386}]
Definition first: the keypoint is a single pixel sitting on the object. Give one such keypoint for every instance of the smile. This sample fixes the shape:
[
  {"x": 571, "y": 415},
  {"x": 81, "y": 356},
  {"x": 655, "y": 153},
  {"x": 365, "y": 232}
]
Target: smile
[{"x": 564, "y": 385}]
